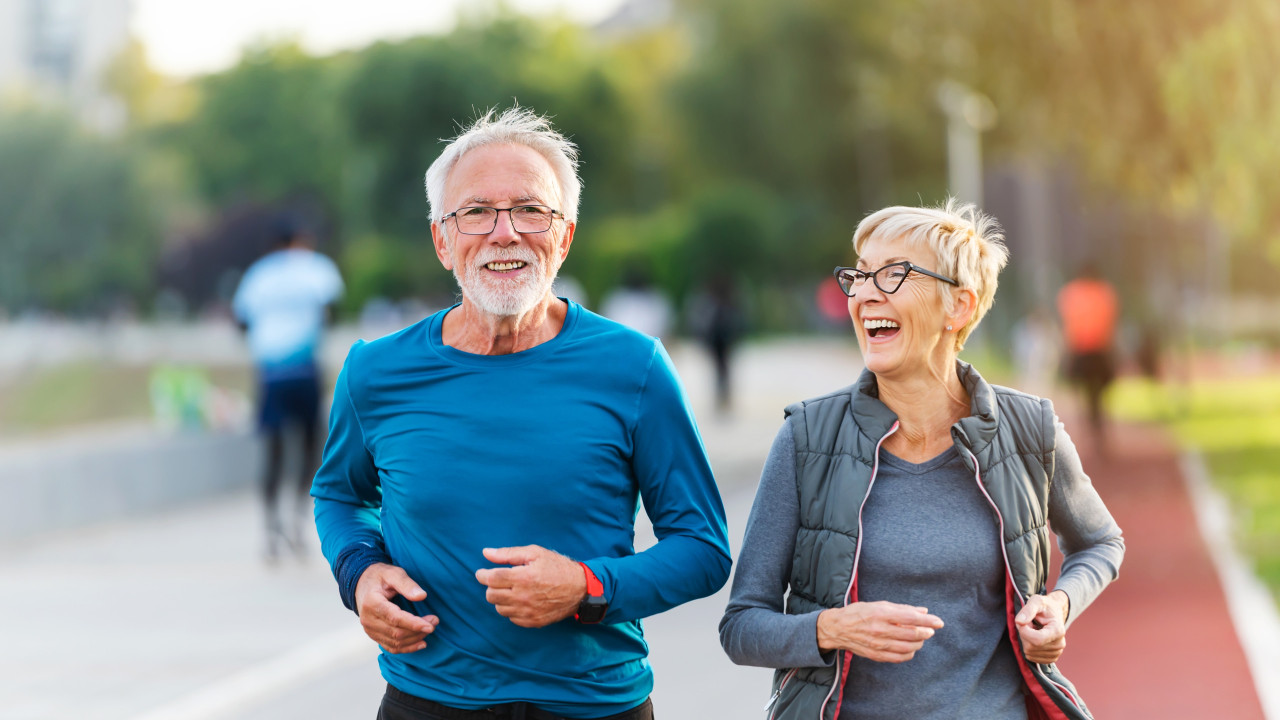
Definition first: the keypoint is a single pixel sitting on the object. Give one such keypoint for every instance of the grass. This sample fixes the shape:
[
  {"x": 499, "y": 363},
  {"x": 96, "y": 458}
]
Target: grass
[
  {"x": 47, "y": 399},
  {"x": 1235, "y": 424}
]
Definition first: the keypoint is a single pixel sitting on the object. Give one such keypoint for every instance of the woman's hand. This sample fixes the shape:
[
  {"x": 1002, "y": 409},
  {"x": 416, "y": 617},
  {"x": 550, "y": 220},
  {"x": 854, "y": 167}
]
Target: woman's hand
[
  {"x": 1042, "y": 626},
  {"x": 880, "y": 631}
]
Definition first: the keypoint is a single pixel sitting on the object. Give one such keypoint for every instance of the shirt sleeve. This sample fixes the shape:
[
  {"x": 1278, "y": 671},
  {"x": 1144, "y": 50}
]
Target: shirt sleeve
[
  {"x": 333, "y": 288},
  {"x": 348, "y": 494},
  {"x": 755, "y": 629},
  {"x": 240, "y": 302},
  {"x": 1091, "y": 543},
  {"x": 691, "y": 558}
]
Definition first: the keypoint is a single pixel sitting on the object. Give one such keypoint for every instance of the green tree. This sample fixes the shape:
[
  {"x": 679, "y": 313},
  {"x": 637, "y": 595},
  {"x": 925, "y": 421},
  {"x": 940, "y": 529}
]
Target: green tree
[
  {"x": 267, "y": 129},
  {"x": 76, "y": 225},
  {"x": 403, "y": 99}
]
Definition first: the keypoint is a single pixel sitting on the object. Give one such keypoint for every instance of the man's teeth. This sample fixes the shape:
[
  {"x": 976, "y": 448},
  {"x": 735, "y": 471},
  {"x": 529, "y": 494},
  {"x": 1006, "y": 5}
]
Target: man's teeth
[
  {"x": 504, "y": 266},
  {"x": 877, "y": 324}
]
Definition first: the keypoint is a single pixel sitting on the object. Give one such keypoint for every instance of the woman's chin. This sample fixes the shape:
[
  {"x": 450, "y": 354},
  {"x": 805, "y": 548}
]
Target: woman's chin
[
  {"x": 879, "y": 364},
  {"x": 890, "y": 365}
]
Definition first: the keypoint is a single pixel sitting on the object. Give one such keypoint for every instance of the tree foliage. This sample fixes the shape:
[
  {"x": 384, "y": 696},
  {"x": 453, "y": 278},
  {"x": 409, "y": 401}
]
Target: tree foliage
[
  {"x": 267, "y": 129},
  {"x": 76, "y": 228},
  {"x": 743, "y": 136}
]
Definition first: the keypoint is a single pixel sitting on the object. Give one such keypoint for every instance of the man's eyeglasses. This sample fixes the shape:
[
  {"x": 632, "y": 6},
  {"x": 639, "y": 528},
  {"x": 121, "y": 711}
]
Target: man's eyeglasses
[
  {"x": 478, "y": 220},
  {"x": 888, "y": 278}
]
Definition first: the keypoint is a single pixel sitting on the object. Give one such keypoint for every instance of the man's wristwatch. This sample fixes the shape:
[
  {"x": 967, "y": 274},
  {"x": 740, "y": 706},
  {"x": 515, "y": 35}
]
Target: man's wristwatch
[{"x": 593, "y": 606}]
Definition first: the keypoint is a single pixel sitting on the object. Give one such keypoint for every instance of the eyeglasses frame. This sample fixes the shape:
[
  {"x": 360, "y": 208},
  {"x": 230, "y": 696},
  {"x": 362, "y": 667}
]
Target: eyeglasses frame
[
  {"x": 875, "y": 275},
  {"x": 498, "y": 213}
]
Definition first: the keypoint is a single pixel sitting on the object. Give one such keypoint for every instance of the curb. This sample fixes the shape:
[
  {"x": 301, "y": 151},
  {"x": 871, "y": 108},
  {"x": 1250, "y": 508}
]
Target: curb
[{"x": 1252, "y": 608}]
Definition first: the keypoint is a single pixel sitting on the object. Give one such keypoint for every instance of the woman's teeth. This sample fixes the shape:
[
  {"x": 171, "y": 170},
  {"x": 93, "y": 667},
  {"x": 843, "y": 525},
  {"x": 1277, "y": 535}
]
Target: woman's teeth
[{"x": 873, "y": 327}]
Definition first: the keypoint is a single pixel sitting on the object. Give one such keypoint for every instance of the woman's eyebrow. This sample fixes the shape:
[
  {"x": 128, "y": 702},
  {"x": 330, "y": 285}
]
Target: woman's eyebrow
[{"x": 863, "y": 263}]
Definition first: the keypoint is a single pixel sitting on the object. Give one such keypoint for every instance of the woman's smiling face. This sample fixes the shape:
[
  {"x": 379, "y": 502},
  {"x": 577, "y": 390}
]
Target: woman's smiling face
[{"x": 904, "y": 333}]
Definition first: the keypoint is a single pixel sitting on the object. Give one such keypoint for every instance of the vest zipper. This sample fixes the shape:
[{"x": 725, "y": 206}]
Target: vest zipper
[
  {"x": 773, "y": 699},
  {"x": 977, "y": 474},
  {"x": 847, "y": 655}
]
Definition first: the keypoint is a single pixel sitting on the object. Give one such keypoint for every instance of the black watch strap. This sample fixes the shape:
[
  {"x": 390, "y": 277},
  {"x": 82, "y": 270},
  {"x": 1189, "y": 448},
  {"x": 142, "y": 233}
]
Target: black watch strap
[{"x": 593, "y": 607}]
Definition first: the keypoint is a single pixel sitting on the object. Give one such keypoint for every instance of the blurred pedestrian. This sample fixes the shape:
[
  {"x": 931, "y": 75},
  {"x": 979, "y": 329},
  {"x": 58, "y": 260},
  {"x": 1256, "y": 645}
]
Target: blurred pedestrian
[
  {"x": 1036, "y": 351},
  {"x": 639, "y": 305},
  {"x": 1147, "y": 355},
  {"x": 717, "y": 318},
  {"x": 1090, "y": 313},
  {"x": 283, "y": 303},
  {"x": 907, "y": 517},
  {"x": 569, "y": 288},
  {"x": 478, "y": 493}
]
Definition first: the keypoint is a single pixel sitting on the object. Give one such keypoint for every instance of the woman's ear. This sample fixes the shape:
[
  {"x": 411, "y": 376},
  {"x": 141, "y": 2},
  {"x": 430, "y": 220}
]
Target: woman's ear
[{"x": 964, "y": 305}]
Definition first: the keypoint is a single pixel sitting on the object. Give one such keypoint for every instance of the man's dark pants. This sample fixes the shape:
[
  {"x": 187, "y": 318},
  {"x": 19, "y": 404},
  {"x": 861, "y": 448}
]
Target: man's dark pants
[
  {"x": 288, "y": 402},
  {"x": 398, "y": 705}
]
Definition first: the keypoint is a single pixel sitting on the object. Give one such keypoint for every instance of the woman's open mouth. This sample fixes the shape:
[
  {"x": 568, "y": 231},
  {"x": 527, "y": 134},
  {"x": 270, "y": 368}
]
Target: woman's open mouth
[{"x": 880, "y": 328}]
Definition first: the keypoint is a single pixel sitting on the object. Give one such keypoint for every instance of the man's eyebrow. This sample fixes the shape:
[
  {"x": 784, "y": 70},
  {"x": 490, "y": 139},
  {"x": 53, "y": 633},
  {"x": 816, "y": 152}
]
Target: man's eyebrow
[{"x": 518, "y": 200}]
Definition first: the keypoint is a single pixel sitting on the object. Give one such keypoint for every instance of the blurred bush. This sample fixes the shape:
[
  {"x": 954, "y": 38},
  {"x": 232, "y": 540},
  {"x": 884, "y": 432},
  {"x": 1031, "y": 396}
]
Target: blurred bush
[{"x": 739, "y": 136}]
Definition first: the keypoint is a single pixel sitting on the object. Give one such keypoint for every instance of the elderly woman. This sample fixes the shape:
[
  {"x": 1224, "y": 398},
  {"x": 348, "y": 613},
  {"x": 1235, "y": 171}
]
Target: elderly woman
[{"x": 896, "y": 558}]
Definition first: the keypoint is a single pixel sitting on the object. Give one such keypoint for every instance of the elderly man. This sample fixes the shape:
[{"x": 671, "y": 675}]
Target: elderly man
[{"x": 484, "y": 467}]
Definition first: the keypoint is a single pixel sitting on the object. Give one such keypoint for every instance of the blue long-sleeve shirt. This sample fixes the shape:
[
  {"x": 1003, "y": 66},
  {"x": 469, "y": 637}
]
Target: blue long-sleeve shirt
[{"x": 434, "y": 454}]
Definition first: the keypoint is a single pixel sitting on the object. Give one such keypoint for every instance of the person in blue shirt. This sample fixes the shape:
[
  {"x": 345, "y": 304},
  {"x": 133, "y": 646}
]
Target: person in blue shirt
[
  {"x": 479, "y": 488},
  {"x": 282, "y": 304}
]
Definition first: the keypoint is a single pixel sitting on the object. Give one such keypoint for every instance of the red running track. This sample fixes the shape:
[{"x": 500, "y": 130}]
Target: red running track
[{"x": 1159, "y": 643}]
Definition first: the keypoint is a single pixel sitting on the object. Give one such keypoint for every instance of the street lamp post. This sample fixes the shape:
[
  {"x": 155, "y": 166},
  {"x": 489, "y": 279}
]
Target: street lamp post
[{"x": 968, "y": 114}]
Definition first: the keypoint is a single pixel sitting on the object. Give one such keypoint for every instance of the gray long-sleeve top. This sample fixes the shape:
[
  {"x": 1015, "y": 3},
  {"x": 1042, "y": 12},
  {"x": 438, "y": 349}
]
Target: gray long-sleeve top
[{"x": 928, "y": 540}]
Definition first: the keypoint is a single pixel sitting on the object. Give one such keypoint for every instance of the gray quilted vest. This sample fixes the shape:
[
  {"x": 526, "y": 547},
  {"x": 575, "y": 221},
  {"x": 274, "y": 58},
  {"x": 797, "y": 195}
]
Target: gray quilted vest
[{"x": 1010, "y": 436}]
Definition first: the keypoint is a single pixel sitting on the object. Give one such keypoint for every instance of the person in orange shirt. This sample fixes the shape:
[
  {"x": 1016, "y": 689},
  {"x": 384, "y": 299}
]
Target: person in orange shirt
[{"x": 1090, "y": 310}]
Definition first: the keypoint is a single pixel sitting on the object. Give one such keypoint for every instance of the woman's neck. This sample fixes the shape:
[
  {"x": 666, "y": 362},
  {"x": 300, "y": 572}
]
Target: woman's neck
[{"x": 927, "y": 406}]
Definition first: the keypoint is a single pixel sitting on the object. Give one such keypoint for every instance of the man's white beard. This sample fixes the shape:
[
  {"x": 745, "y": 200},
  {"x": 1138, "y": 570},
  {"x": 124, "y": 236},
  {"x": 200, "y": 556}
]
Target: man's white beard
[{"x": 504, "y": 297}]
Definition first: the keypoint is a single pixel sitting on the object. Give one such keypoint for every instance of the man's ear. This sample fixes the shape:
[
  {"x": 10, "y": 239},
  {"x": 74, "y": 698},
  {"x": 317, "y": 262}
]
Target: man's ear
[
  {"x": 567, "y": 240},
  {"x": 441, "y": 245}
]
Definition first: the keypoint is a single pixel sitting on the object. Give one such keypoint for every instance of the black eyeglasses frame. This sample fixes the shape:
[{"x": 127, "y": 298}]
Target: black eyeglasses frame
[
  {"x": 875, "y": 277},
  {"x": 498, "y": 213}
]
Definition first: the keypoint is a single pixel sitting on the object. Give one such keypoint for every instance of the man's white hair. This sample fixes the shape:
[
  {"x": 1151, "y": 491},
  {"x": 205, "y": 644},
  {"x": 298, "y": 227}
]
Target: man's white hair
[{"x": 514, "y": 126}]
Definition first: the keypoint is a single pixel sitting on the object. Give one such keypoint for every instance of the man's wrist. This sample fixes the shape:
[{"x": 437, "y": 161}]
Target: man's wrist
[
  {"x": 349, "y": 567},
  {"x": 593, "y": 606}
]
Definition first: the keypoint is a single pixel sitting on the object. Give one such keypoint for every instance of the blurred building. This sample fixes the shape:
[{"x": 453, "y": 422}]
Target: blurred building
[
  {"x": 59, "y": 51},
  {"x": 634, "y": 16}
]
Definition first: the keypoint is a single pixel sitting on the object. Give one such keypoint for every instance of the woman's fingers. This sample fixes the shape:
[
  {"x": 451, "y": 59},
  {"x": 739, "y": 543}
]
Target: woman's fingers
[{"x": 880, "y": 631}]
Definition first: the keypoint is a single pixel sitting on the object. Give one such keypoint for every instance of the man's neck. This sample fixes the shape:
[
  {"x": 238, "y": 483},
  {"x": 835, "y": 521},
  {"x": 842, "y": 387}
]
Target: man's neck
[{"x": 470, "y": 329}]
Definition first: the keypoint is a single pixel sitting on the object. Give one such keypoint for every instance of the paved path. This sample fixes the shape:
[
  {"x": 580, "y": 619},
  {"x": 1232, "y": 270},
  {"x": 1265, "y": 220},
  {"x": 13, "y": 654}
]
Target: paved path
[{"x": 175, "y": 617}]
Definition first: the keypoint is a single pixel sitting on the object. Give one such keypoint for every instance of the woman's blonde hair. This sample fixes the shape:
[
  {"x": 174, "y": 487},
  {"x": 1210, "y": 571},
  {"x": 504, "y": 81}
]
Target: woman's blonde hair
[{"x": 968, "y": 245}]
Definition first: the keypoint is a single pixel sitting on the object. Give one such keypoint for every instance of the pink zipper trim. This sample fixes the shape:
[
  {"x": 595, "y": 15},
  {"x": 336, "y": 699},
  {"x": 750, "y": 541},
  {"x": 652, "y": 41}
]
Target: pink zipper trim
[
  {"x": 847, "y": 655},
  {"x": 1008, "y": 569}
]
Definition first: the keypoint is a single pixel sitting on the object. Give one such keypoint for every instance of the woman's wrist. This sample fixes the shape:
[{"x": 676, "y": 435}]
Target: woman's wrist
[
  {"x": 825, "y": 641},
  {"x": 1064, "y": 600}
]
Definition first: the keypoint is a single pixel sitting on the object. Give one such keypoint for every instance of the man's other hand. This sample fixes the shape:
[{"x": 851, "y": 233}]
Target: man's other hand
[
  {"x": 540, "y": 588},
  {"x": 394, "y": 629}
]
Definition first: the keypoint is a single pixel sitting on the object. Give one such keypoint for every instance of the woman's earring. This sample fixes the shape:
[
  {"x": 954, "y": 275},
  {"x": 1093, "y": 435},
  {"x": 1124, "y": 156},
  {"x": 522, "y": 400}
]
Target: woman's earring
[{"x": 948, "y": 327}]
